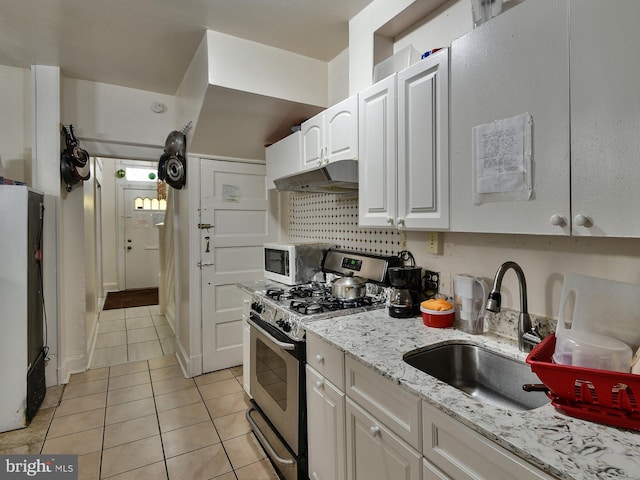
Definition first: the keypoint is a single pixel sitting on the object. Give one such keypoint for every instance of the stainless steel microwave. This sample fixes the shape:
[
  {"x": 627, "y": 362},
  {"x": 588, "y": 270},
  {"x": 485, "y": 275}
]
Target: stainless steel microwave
[{"x": 293, "y": 263}]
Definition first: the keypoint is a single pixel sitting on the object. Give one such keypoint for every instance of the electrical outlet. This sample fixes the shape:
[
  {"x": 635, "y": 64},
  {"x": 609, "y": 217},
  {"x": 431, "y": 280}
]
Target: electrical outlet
[
  {"x": 431, "y": 283},
  {"x": 433, "y": 243}
]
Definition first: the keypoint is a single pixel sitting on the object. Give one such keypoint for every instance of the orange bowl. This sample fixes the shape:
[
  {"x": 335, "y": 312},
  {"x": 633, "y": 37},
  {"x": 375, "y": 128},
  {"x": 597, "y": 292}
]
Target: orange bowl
[{"x": 438, "y": 318}]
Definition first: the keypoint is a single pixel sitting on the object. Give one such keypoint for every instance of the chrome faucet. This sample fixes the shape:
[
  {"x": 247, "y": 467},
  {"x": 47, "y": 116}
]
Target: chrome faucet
[{"x": 528, "y": 335}]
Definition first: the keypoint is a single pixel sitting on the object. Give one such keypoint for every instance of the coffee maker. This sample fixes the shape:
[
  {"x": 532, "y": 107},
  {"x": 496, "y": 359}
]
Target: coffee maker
[{"x": 405, "y": 295}]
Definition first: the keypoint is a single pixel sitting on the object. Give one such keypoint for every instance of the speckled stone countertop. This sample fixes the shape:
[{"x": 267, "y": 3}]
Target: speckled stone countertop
[{"x": 560, "y": 445}]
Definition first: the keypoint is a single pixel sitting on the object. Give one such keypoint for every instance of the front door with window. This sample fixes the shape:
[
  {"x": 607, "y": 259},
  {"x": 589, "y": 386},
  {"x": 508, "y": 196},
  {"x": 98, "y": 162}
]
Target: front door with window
[{"x": 141, "y": 239}]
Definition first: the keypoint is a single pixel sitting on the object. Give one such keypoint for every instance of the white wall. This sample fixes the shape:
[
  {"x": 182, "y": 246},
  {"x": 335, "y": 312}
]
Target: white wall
[
  {"x": 114, "y": 121},
  {"x": 109, "y": 226},
  {"x": 339, "y": 77},
  {"x": 256, "y": 68},
  {"x": 441, "y": 28},
  {"x": 15, "y": 124}
]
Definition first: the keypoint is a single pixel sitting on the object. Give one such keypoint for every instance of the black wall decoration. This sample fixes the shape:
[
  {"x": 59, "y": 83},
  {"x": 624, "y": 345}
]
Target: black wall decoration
[
  {"x": 172, "y": 167},
  {"x": 74, "y": 161}
]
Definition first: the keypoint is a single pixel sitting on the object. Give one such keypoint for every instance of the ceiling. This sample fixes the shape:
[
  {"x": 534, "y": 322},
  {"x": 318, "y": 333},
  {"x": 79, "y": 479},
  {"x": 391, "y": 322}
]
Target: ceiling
[{"x": 148, "y": 44}]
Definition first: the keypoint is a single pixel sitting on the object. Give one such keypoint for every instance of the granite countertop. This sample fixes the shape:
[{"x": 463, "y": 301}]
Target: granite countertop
[{"x": 562, "y": 446}]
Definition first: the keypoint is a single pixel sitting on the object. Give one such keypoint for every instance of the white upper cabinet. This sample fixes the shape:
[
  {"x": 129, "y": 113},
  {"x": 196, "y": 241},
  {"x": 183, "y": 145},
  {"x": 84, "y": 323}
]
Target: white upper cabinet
[
  {"x": 605, "y": 118},
  {"x": 331, "y": 135},
  {"x": 404, "y": 148},
  {"x": 377, "y": 168},
  {"x": 517, "y": 63},
  {"x": 283, "y": 158},
  {"x": 423, "y": 144}
]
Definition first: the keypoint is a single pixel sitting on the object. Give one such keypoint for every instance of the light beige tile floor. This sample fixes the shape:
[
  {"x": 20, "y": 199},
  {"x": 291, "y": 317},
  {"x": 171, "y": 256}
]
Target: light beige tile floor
[
  {"x": 132, "y": 334},
  {"x": 143, "y": 420}
]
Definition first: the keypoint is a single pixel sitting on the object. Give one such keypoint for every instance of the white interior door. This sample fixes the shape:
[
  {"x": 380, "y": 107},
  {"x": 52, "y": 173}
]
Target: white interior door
[
  {"x": 141, "y": 242},
  {"x": 235, "y": 222}
]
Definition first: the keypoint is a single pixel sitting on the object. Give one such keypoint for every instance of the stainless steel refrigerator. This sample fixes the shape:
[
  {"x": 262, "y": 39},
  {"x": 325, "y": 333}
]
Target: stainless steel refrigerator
[{"x": 22, "y": 352}]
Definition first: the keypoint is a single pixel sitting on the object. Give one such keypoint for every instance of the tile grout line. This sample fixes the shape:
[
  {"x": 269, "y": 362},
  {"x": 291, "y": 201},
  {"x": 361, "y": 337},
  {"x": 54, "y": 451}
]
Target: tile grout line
[
  {"x": 104, "y": 422},
  {"x": 155, "y": 406},
  {"x": 233, "y": 470}
]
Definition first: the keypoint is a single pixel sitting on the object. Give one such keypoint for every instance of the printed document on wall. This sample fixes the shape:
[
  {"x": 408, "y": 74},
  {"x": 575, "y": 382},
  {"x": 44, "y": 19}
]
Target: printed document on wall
[{"x": 502, "y": 160}]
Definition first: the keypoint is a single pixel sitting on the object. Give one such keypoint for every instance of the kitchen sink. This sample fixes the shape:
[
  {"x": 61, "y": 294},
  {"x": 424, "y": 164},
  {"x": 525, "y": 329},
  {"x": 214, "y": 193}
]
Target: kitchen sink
[{"x": 485, "y": 375}]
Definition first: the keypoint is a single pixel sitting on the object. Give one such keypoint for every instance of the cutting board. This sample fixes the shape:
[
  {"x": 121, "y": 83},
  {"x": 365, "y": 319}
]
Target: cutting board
[{"x": 607, "y": 307}]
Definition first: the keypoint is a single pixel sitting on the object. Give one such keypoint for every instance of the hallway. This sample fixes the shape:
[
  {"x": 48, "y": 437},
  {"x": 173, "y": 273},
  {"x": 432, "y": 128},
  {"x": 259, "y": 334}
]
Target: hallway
[
  {"x": 131, "y": 417},
  {"x": 132, "y": 334}
]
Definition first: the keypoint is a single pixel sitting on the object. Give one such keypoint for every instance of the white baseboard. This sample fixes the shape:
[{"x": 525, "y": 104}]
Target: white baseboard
[{"x": 191, "y": 366}]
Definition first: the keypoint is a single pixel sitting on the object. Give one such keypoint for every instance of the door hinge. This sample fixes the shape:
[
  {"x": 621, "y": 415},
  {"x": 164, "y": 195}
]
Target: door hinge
[
  {"x": 200, "y": 264},
  {"x": 204, "y": 226}
]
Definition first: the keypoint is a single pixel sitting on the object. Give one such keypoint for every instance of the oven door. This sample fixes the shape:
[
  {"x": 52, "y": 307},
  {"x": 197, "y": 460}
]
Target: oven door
[{"x": 275, "y": 381}]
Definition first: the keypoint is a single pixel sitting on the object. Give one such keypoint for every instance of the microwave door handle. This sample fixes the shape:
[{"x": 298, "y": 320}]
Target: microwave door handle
[{"x": 284, "y": 346}]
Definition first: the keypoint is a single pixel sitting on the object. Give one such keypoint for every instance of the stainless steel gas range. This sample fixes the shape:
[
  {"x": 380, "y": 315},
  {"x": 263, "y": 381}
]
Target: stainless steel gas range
[{"x": 278, "y": 415}]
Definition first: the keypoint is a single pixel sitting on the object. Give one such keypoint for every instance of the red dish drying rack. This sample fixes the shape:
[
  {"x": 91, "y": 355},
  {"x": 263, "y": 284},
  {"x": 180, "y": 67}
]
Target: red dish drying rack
[{"x": 599, "y": 396}]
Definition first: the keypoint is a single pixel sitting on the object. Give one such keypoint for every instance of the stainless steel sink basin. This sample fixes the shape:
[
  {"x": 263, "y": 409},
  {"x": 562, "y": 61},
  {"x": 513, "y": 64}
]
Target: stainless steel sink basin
[{"x": 485, "y": 375}]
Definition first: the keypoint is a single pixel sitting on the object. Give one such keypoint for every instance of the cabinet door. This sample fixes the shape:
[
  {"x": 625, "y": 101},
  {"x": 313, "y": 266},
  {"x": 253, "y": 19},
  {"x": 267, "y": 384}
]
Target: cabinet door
[
  {"x": 246, "y": 356},
  {"x": 283, "y": 158},
  {"x": 312, "y": 142},
  {"x": 423, "y": 144},
  {"x": 605, "y": 131},
  {"x": 341, "y": 130},
  {"x": 374, "y": 452},
  {"x": 514, "y": 64},
  {"x": 326, "y": 428},
  {"x": 377, "y": 165}
]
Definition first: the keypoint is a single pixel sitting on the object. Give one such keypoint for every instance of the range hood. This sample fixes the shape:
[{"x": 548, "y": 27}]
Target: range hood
[{"x": 338, "y": 177}]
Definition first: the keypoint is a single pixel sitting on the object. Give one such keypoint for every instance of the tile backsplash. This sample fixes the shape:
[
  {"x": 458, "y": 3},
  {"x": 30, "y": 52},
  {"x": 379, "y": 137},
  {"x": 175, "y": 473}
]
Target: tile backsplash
[{"x": 334, "y": 219}]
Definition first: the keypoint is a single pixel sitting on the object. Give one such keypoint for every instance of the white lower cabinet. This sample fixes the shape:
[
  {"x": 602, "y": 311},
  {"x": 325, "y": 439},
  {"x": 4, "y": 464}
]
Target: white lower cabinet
[
  {"x": 325, "y": 410},
  {"x": 326, "y": 425},
  {"x": 374, "y": 452},
  {"x": 246, "y": 339},
  {"x": 246, "y": 357},
  {"x": 369, "y": 428},
  {"x": 452, "y": 450}
]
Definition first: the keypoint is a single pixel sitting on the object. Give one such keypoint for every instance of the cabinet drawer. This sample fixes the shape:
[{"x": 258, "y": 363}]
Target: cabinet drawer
[
  {"x": 464, "y": 454},
  {"x": 396, "y": 408},
  {"x": 326, "y": 360}
]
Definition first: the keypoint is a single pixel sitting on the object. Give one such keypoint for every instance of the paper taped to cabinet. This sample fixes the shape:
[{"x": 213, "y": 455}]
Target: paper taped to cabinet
[{"x": 501, "y": 156}]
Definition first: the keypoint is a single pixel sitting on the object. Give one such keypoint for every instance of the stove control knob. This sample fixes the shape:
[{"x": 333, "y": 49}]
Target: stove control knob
[
  {"x": 257, "y": 307},
  {"x": 286, "y": 327}
]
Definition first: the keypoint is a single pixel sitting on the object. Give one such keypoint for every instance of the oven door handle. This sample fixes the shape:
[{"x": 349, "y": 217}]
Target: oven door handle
[
  {"x": 284, "y": 346},
  {"x": 264, "y": 442}
]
